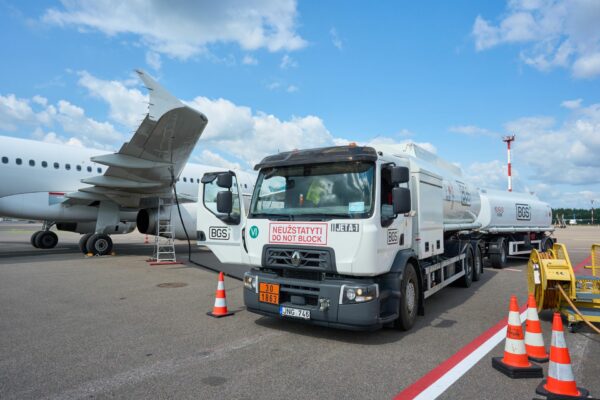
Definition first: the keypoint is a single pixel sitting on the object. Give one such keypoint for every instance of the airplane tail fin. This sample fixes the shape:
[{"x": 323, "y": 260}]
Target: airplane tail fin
[{"x": 161, "y": 101}]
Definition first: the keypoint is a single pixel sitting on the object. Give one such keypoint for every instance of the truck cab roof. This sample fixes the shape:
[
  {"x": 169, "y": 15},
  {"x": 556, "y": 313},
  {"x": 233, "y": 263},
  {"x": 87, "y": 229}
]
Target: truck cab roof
[{"x": 319, "y": 155}]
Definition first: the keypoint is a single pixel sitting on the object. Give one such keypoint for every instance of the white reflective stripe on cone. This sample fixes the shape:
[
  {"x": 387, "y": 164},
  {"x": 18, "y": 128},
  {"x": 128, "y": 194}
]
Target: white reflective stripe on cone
[
  {"x": 532, "y": 314},
  {"x": 514, "y": 346},
  {"x": 562, "y": 372},
  {"x": 220, "y": 303},
  {"x": 558, "y": 339},
  {"x": 514, "y": 318},
  {"x": 534, "y": 339},
  {"x": 221, "y": 285}
]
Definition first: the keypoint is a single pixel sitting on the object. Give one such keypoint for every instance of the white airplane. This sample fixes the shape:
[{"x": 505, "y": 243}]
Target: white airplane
[{"x": 98, "y": 194}]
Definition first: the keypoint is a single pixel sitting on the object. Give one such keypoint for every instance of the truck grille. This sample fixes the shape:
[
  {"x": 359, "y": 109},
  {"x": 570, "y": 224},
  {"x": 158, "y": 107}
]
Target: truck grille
[{"x": 298, "y": 258}]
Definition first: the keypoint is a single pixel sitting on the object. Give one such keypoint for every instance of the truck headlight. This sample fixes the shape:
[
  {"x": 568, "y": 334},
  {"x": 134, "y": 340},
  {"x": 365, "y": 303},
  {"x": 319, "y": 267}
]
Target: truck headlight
[
  {"x": 358, "y": 293},
  {"x": 250, "y": 281}
]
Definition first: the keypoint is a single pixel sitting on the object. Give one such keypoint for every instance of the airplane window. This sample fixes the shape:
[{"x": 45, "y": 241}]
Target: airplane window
[
  {"x": 67, "y": 166},
  {"x": 4, "y": 160},
  {"x": 19, "y": 161},
  {"x": 78, "y": 168},
  {"x": 185, "y": 179},
  {"x": 89, "y": 169},
  {"x": 44, "y": 164},
  {"x": 99, "y": 170},
  {"x": 32, "y": 163},
  {"x": 56, "y": 165}
]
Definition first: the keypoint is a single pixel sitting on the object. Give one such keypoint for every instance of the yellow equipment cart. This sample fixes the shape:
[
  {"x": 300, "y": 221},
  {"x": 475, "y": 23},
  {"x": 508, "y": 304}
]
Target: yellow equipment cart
[{"x": 553, "y": 282}]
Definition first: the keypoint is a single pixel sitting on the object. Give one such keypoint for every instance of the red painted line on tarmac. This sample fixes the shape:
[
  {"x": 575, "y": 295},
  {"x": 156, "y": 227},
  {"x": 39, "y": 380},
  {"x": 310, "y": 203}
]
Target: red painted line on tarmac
[
  {"x": 580, "y": 266},
  {"x": 432, "y": 376}
]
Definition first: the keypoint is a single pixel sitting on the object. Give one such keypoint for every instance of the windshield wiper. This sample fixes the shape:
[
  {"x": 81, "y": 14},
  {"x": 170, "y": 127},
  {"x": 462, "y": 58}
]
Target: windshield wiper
[{"x": 273, "y": 216}]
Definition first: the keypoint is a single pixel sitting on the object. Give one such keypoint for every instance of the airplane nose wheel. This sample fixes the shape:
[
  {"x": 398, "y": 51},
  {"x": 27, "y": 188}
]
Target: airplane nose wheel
[
  {"x": 44, "y": 239},
  {"x": 99, "y": 244}
]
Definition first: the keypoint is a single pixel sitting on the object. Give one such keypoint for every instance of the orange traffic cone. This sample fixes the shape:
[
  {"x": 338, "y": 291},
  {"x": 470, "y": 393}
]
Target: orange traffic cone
[
  {"x": 534, "y": 341},
  {"x": 220, "y": 308},
  {"x": 561, "y": 382},
  {"x": 146, "y": 240},
  {"x": 515, "y": 364}
]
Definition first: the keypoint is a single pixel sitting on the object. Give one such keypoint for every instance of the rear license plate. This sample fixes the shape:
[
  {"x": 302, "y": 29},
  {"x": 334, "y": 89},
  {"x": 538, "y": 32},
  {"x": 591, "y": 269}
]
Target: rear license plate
[
  {"x": 268, "y": 293},
  {"x": 294, "y": 312}
]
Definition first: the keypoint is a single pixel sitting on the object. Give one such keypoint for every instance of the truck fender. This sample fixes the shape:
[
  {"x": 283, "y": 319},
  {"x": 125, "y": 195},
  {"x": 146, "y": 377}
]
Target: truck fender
[{"x": 402, "y": 258}]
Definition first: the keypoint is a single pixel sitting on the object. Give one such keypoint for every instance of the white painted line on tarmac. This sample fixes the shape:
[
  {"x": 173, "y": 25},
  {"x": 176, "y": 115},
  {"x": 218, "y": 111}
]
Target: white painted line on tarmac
[
  {"x": 512, "y": 269},
  {"x": 454, "y": 374}
]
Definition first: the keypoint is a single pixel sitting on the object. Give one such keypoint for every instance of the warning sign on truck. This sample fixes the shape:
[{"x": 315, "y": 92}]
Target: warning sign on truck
[{"x": 298, "y": 233}]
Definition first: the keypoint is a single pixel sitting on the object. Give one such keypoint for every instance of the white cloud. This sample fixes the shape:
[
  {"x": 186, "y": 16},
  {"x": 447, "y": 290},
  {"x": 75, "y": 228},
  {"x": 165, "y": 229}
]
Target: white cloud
[
  {"x": 335, "y": 39},
  {"x": 287, "y": 62},
  {"x": 153, "y": 60},
  {"x": 249, "y": 60},
  {"x": 208, "y": 157},
  {"x": 186, "y": 29},
  {"x": 560, "y": 33},
  {"x": 292, "y": 89},
  {"x": 273, "y": 85},
  {"x": 571, "y": 104},
  {"x": 18, "y": 115},
  {"x": 127, "y": 106}
]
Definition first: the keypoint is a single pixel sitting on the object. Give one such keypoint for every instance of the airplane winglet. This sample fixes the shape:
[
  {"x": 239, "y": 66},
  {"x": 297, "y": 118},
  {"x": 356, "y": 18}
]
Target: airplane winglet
[{"x": 161, "y": 101}]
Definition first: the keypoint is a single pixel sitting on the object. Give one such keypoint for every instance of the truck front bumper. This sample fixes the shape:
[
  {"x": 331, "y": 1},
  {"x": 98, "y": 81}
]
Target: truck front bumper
[{"x": 310, "y": 295}]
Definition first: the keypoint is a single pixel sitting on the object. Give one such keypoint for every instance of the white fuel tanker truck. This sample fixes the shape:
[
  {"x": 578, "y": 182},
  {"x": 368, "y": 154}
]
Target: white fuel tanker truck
[{"x": 358, "y": 237}]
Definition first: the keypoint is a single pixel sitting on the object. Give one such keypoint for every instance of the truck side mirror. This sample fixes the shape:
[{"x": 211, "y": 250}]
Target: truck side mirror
[
  {"x": 225, "y": 202},
  {"x": 401, "y": 200},
  {"x": 225, "y": 180},
  {"x": 399, "y": 175}
]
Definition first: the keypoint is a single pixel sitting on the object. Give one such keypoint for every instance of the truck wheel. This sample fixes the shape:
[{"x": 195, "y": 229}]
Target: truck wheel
[
  {"x": 409, "y": 300},
  {"x": 546, "y": 244},
  {"x": 498, "y": 260},
  {"x": 468, "y": 265},
  {"x": 477, "y": 263}
]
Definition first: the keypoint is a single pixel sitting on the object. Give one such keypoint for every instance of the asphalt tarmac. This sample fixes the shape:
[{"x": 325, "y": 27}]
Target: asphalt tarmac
[{"x": 103, "y": 327}]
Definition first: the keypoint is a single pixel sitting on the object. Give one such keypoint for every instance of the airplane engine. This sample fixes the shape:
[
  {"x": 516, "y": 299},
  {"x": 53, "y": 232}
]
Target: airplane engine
[
  {"x": 90, "y": 227},
  {"x": 146, "y": 220}
]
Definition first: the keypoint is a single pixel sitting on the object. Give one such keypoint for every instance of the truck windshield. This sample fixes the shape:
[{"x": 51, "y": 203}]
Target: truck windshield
[{"x": 340, "y": 190}]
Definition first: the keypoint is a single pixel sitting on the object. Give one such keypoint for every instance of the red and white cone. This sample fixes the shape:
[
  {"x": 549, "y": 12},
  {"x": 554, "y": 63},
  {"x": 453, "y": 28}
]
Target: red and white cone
[
  {"x": 220, "y": 307},
  {"x": 534, "y": 341},
  {"x": 561, "y": 382},
  {"x": 515, "y": 364},
  {"x": 146, "y": 240}
]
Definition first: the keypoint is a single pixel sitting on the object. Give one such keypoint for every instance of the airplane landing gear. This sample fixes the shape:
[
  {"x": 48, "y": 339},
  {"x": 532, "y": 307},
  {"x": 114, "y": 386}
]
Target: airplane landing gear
[
  {"x": 83, "y": 242},
  {"x": 44, "y": 239},
  {"x": 99, "y": 244}
]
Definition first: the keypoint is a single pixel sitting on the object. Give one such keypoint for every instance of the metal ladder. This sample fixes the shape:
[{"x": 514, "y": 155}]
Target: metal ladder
[{"x": 164, "y": 240}]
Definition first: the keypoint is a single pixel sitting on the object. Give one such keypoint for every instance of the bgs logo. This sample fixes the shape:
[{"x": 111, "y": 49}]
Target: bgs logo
[
  {"x": 499, "y": 211},
  {"x": 218, "y": 233},
  {"x": 392, "y": 236},
  {"x": 523, "y": 212}
]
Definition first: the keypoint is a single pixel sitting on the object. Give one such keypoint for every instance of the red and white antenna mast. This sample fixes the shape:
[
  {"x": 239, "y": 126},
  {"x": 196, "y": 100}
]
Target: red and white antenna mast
[{"x": 509, "y": 139}]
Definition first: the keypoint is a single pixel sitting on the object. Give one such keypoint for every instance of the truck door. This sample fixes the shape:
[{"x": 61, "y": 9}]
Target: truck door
[{"x": 222, "y": 216}]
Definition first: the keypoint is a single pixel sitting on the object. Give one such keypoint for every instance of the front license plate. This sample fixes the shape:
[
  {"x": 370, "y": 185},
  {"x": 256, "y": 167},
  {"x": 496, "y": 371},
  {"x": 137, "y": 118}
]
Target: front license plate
[
  {"x": 268, "y": 292},
  {"x": 294, "y": 312}
]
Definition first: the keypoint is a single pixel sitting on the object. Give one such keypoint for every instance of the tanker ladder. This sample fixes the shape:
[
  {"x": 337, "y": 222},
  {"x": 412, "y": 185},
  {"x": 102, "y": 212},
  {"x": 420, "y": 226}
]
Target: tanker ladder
[{"x": 164, "y": 241}]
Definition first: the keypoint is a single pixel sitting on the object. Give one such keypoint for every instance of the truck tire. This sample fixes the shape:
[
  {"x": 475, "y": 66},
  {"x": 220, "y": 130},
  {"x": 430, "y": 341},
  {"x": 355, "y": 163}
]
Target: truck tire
[
  {"x": 546, "y": 244},
  {"x": 469, "y": 266},
  {"x": 498, "y": 260},
  {"x": 477, "y": 263},
  {"x": 409, "y": 299}
]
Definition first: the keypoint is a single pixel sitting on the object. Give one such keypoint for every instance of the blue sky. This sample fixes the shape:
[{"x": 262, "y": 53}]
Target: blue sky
[{"x": 271, "y": 76}]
